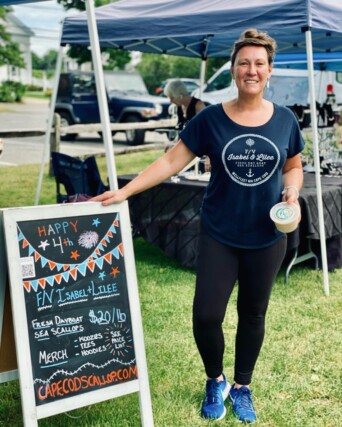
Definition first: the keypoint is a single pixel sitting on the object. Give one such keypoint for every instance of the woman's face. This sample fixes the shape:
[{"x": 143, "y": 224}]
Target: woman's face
[
  {"x": 176, "y": 99},
  {"x": 251, "y": 70}
]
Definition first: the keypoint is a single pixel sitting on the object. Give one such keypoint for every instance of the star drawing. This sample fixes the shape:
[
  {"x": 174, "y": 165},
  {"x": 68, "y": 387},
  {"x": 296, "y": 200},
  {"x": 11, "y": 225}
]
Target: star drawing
[
  {"x": 96, "y": 222},
  {"x": 74, "y": 255},
  {"x": 44, "y": 244},
  {"x": 102, "y": 275},
  {"x": 114, "y": 271}
]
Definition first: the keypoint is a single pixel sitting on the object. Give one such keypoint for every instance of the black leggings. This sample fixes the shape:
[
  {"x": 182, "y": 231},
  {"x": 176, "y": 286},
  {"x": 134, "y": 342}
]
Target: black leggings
[{"x": 219, "y": 267}]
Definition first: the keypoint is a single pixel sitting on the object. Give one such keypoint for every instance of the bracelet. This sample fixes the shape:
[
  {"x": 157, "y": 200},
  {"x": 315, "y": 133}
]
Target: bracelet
[{"x": 288, "y": 187}]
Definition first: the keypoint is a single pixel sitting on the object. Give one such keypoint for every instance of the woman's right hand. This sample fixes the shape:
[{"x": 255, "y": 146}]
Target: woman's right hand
[
  {"x": 161, "y": 169},
  {"x": 110, "y": 197}
]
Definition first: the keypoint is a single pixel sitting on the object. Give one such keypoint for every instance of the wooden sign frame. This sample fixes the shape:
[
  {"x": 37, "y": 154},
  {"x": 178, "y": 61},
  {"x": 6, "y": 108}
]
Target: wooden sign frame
[
  {"x": 14, "y": 220},
  {"x": 8, "y": 371}
]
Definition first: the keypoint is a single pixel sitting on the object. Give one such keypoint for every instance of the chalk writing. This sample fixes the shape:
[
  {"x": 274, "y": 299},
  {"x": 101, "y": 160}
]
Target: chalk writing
[{"x": 73, "y": 273}]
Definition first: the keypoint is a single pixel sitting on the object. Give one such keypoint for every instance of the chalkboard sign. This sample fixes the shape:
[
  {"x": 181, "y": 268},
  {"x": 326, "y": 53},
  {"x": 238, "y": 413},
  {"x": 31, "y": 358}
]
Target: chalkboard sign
[
  {"x": 8, "y": 362},
  {"x": 73, "y": 286}
]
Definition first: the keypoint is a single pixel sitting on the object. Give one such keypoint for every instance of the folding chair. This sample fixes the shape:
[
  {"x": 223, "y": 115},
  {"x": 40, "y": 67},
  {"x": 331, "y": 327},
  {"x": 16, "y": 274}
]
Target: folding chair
[{"x": 79, "y": 177}]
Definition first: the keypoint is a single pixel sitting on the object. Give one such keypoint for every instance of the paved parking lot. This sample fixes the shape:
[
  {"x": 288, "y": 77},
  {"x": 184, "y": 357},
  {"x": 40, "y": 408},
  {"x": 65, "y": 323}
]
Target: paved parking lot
[{"x": 32, "y": 115}]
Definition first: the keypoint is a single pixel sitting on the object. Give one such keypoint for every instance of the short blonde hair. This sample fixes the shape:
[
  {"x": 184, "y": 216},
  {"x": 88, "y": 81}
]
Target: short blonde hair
[
  {"x": 253, "y": 37},
  {"x": 175, "y": 88}
]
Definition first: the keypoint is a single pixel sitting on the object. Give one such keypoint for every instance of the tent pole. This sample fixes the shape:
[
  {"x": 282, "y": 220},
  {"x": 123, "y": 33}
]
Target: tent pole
[
  {"x": 202, "y": 76},
  {"x": 101, "y": 94},
  {"x": 144, "y": 393},
  {"x": 308, "y": 39},
  {"x": 49, "y": 125}
]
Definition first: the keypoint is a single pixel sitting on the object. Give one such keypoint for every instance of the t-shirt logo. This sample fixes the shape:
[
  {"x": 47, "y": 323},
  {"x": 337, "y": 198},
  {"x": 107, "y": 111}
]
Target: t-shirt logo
[{"x": 250, "y": 159}]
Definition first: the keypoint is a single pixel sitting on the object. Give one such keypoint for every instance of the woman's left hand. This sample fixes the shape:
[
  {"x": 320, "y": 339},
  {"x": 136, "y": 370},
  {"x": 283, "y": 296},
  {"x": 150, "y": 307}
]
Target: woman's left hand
[{"x": 291, "y": 196}]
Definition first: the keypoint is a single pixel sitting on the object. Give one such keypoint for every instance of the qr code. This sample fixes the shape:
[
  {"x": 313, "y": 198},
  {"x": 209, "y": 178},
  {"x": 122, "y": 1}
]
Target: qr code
[{"x": 27, "y": 267}]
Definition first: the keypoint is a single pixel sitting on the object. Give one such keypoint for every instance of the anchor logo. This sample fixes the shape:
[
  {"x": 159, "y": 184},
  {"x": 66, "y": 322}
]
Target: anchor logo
[{"x": 250, "y": 174}]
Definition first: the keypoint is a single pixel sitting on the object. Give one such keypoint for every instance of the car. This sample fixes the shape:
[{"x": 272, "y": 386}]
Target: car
[
  {"x": 190, "y": 84},
  {"x": 128, "y": 101},
  {"x": 289, "y": 87}
]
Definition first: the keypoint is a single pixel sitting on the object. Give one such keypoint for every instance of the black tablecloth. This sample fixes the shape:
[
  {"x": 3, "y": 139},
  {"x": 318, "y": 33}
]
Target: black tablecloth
[{"x": 168, "y": 216}]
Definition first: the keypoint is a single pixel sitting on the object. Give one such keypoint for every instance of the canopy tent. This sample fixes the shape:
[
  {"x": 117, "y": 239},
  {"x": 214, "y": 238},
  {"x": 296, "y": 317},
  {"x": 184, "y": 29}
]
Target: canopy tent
[
  {"x": 14, "y": 2},
  {"x": 198, "y": 28},
  {"x": 207, "y": 29}
]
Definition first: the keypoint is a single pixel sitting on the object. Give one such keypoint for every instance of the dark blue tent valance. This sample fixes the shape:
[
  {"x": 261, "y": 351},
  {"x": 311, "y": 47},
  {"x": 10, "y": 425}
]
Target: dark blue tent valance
[
  {"x": 202, "y": 28},
  {"x": 14, "y": 2}
]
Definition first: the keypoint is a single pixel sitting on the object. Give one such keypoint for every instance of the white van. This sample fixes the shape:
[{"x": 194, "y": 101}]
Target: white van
[{"x": 288, "y": 87}]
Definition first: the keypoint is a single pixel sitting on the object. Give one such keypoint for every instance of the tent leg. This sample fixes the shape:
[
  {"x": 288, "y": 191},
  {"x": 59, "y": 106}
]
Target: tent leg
[
  {"x": 308, "y": 38},
  {"x": 202, "y": 76},
  {"x": 101, "y": 94},
  {"x": 49, "y": 126}
]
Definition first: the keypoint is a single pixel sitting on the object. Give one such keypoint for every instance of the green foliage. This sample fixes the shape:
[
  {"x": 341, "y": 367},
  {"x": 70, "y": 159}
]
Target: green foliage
[
  {"x": 156, "y": 68},
  {"x": 214, "y": 64},
  {"x": 11, "y": 91},
  {"x": 116, "y": 59},
  {"x": 80, "y": 4},
  {"x": 33, "y": 88},
  {"x": 36, "y": 61},
  {"x": 10, "y": 53},
  {"x": 45, "y": 64}
]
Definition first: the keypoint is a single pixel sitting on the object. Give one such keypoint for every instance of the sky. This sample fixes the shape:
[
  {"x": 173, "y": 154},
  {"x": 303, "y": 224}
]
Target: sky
[{"x": 44, "y": 19}]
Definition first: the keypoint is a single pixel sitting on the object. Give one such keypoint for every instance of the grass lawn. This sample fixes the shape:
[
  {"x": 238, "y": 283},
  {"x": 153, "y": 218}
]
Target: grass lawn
[
  {"x": 297, "y": 382},
  {"x": 37, "y": 95}
]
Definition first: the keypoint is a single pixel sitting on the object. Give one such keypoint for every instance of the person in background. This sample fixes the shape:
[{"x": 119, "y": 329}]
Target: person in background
[
  {"x": 254, "y": 147},
  {"x": 187, "y": 106}
]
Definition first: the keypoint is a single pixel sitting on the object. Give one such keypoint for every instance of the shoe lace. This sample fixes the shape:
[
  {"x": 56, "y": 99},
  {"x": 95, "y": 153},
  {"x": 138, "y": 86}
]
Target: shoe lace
[
  {"x": 244, "y": 400},
  {"x": 213, "y": 394}
]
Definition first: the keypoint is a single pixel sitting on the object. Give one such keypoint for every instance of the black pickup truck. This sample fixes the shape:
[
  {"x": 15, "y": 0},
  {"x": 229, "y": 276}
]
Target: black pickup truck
[{"x": 128, "y": 101}]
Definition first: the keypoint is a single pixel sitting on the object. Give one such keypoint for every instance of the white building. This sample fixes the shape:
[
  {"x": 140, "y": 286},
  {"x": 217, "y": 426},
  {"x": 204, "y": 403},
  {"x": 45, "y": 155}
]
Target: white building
[{"x": 21, "y": 35}]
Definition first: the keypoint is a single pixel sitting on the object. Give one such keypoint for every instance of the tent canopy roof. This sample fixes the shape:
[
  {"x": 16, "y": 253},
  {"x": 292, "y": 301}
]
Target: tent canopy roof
[
  {"x": 13, "y": 2},
  {"x": 202, "y": 28}
]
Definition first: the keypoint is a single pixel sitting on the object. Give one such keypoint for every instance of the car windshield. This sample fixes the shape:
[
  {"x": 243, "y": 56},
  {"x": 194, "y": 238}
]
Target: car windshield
[
  {"x": 288, "y": 90},
  {"x": 191, "y": 86},
  {"x": 125, "y": 83}
]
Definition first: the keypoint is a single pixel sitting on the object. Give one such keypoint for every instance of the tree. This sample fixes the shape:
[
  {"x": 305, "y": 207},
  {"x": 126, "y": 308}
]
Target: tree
[
  {"x": 156, "y": 68},
  {"x": 117, "y": 59},
  {"x": 80, "y": 4},
  {"x": 49, "y": 60},
  {"x": 36, "y": 61},
  {"x": 213, "y": 65},
  {"x": 10, "y": 53},
  {"x": 46, "y": 64}
]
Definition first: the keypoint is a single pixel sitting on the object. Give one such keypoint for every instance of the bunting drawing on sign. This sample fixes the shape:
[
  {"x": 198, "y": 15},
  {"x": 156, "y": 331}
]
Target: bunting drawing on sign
[{"x": 61, "y": 272}]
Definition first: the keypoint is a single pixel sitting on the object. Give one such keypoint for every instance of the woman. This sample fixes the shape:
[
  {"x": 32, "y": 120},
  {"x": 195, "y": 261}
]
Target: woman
[
  {"x": 254, "y": 148},
  {"x": 187, "y": 106}
]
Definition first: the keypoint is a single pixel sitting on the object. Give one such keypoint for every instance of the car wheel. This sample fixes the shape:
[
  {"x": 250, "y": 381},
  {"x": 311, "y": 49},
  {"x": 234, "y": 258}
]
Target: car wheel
[
  {"x": 66, "y": 120},
  {"x": 134, "y": 136},
  {"x": 100, "y": 134}
]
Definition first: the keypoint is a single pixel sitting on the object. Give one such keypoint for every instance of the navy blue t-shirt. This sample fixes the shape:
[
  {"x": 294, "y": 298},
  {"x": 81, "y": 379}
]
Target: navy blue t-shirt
[{"x": 246, "y": 172}]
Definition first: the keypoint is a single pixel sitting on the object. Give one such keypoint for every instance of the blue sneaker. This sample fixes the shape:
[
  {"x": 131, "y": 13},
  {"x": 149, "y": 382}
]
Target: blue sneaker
[
  {"x": 216, "y": 392},
  {"x": 243, "y": 407}
]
